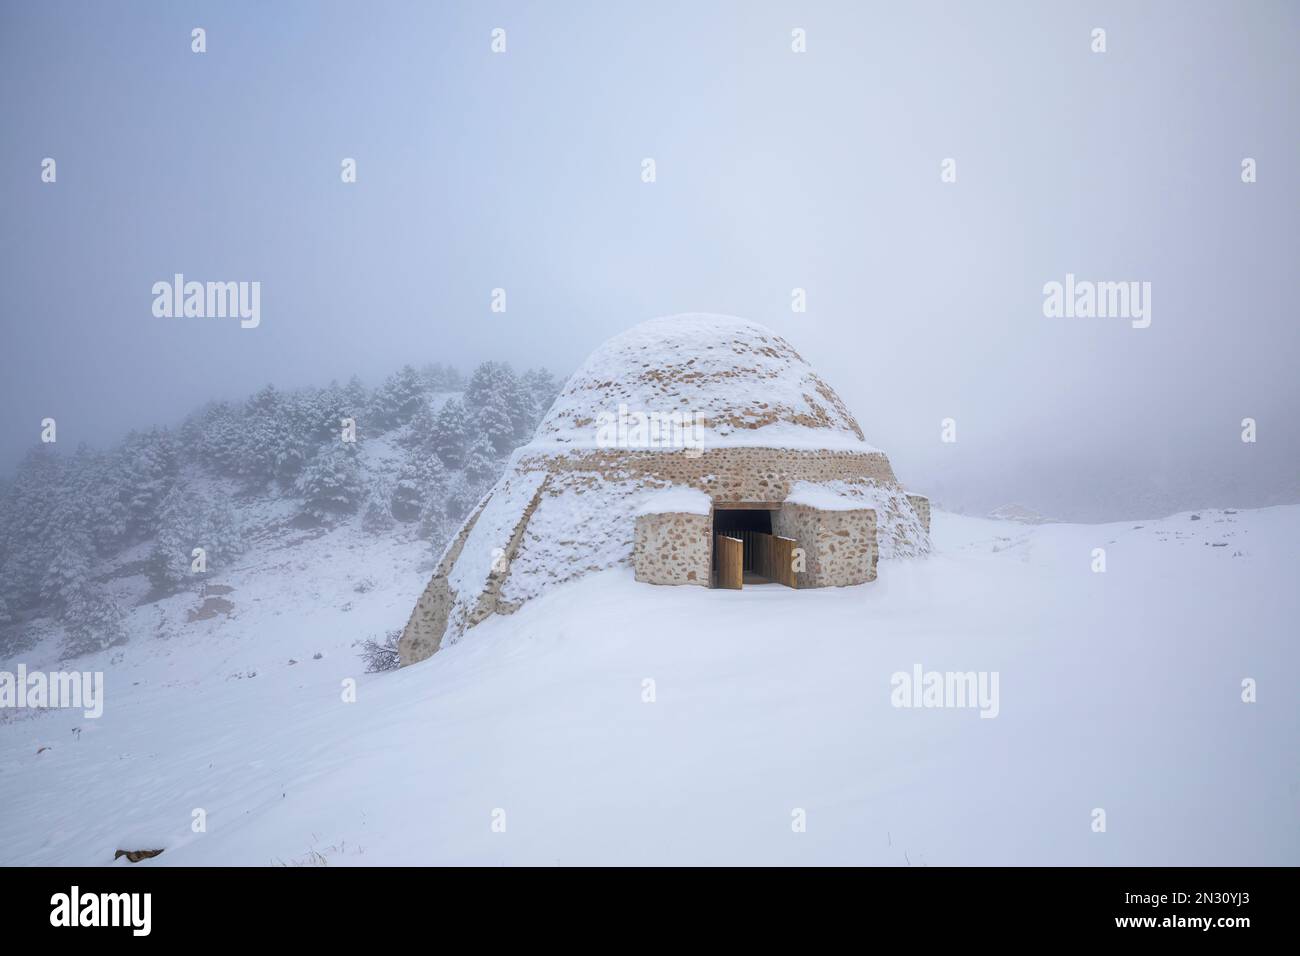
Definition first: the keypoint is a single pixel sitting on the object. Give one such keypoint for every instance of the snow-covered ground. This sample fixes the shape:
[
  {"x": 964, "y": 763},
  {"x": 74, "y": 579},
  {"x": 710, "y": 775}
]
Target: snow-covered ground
[{"x": 1118, "y": 690}]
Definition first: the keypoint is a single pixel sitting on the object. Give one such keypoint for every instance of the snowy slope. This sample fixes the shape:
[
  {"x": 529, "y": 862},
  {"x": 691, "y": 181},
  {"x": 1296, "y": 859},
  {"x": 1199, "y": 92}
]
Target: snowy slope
[{"x": 1118, "y": 690}]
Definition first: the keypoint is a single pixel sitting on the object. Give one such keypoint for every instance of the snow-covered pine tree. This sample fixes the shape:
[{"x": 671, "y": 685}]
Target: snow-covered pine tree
[
  {"x": 495, "y": 395},
  {"x": 223, "y": 533},
  {"x": 481, "y": 464},
  {"x": 493, "y": 421},
  {"x": 419, "y": 433},
  {"x": 190, "y": 518},
  {"x": 436, "y": 377},
  {"x": 407, "y": 496},
  {"x": 541, "y": 388},
  {"x": 31, "y": 533},
  {"x": 301, "y": 415},
  {"x": 451, "y": 433},
  {"x": 376, "y": 518},
  {"x": 330, "y": 407},
  {"x": 105, "y": 512},
  {"x": 68, "y": 570},
  {"x": 92, "y": 620},
  {"x": 211, "y": 439},
  {"x": 356, "y": 400},
  {"x": 399, "y": 397},
  {"x": 461, "y": 497},
  {"x": 175, "y": 537},
  {"x": 421, "y": 480},
  {"x": 148, "y": 467},
  {"x": 485, "y": 380},
  {"x": 331, "y": 484},
  {"x": 433, "y": 513},
  {"x": 270, "y": 446}
]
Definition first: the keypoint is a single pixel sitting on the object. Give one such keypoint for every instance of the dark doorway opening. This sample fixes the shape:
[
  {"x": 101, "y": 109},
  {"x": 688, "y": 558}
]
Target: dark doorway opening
[{"x": 745, "y": 524}]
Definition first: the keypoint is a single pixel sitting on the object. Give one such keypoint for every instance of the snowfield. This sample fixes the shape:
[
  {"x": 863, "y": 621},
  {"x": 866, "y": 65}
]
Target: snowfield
[{"x": 1119, "y": 690}]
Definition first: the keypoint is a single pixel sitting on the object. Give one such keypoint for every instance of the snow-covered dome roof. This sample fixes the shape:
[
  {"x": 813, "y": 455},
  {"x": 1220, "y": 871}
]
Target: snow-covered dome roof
[{"x": 749, "y": 384}]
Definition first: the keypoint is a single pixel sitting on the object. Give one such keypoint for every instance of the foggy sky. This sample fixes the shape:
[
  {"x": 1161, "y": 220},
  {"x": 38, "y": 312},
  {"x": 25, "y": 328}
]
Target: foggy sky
[{"x": 775, "y": 170}]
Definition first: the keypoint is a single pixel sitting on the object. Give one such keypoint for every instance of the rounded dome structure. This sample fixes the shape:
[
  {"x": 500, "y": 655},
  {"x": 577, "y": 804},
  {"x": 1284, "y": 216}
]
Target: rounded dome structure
[
  {"x": 747, "y": 383},
  {"x": 699, "y": 449}
]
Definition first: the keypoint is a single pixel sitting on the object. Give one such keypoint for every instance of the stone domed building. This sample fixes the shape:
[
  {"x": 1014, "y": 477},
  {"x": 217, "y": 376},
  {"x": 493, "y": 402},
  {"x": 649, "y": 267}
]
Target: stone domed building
[{"x": 699, "y": 449}]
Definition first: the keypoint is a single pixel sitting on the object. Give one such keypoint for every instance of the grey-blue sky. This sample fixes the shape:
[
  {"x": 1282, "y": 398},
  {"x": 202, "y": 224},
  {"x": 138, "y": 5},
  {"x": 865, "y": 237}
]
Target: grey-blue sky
[{"x": 775, "y": 170}]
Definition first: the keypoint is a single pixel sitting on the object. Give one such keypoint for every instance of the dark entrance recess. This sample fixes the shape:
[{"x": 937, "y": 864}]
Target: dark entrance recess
[
  {"x": 743, "y": 524},
  {"x": 745, "y": 550}
]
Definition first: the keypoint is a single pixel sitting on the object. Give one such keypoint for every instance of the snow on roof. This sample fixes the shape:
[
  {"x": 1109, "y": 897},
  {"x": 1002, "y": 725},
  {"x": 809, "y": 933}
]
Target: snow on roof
[
  {"x": 679, "y": 499},
  {"x": 822, "y": 498},
  {"x": 737, "y": 383}
]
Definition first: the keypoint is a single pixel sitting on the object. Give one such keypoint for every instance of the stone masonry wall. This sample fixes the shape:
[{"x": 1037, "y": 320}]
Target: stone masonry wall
[
  {"x": 839, "y": 546},
  {"x": 424, "y": 629},
  {"x": 725, "y": 474},
  {"x": 921, "y": 505},
  {"x": 673, "y": 549}
]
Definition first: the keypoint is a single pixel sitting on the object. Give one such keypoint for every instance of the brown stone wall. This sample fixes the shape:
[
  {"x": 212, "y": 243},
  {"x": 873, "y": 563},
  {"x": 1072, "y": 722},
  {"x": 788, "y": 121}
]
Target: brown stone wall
[
  {"x": 673, "y": 549},
  {"x": 725, "y": 474},
  {"x": 921, "y": 505},
  {"x": 839, "y": 546},
  {"x": 424, "y": 629},
  {"x": 427, "y": 625}
]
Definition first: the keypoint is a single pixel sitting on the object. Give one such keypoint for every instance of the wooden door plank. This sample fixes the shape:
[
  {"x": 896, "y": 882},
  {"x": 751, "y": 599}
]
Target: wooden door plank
[
  {"x": 731, "y": 562},
  {"x": 783, "y": 562}
]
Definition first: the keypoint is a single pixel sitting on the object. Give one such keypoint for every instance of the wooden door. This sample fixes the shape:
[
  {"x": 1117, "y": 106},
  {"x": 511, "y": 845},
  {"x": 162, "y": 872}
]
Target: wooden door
[
  {"x": 730, "y": 554},
  {"x": 774, "y": 558},
  {"x": 782, "y": 561}
]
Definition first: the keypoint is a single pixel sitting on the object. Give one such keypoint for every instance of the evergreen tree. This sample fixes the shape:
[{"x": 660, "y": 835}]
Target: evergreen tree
[
  {"x": 420, "y": 481},
  {"x": 356, "y": 400},
  {"x": 376, "y": 518},
  {"x": 94, "y": 496},
  {"x": 486, "y": 380},
  {"x": 106, "y": 513},
  {"x": 481, "y": 467},
  {"x": 190, "y": 518},
  {"x": 330, "y": 407},
  {"x": 451, "y": 433},
  {"x": 493, "y": 421},
  {"x": 542, "y": 389},
  {"x": 500, "y": 404},
  {"x": 270, "y": 446},
  {"x": 420, "y": 432},
  {"x": 68, "y": 571},
  {"x": 92, "y": 620},
  {"x": 399, "y": 397},
  {"x": 331, "y": 484},
  {"x": 148, "y": 467},
  {"x": 31, "y": 533},
  {"x": 211, "y": 439},
  {"x": 433, "y": 518},
  {"x": 436, "y": 377}
]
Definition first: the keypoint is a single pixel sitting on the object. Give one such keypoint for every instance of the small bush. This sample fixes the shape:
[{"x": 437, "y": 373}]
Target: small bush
[{"x": 381, "y": 655}]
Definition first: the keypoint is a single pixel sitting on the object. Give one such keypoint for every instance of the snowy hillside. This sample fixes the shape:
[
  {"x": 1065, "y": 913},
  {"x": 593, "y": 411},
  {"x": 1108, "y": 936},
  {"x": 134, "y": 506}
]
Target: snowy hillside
[
  {"x": 93, "y": 542},
  {"x": 1118, "y": 690}
]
